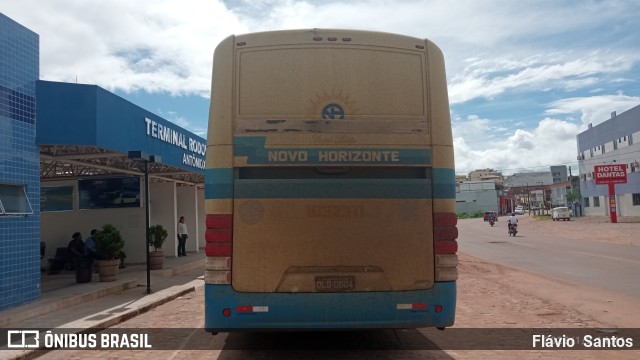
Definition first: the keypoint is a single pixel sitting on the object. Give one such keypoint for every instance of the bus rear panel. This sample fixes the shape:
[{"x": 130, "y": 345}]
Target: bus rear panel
[{"x": 330, "y": 188}]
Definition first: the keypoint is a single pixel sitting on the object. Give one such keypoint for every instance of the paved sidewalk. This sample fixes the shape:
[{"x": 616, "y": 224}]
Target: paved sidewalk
[{"x": 67, "y": 304}]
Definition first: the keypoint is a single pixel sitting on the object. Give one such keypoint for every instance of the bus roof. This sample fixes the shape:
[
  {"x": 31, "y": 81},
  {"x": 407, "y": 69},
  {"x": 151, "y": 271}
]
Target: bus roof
[{"x": 333, "y": 36}]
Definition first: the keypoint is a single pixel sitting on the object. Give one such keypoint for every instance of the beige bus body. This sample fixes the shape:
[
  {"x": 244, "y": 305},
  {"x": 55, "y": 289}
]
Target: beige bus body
[{"x": 390, "y": 89}]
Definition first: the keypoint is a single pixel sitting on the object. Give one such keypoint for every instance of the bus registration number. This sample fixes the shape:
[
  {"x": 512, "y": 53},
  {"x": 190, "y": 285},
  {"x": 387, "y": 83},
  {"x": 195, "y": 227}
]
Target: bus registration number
[{"x": 335, "y": 283}]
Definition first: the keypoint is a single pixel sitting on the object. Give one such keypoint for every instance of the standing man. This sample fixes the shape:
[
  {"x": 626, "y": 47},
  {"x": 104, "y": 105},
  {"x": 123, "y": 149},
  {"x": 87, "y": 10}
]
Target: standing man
[{"x": 182, "y": 237}]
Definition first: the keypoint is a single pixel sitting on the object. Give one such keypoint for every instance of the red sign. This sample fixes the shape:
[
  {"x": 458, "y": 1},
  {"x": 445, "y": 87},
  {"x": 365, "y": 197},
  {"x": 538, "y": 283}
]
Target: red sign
[{"x": 610, "y": 174}]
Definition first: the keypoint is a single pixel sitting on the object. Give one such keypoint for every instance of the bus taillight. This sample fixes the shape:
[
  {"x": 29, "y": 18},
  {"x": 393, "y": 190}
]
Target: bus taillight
[
  {"x": 218, "y": 248},
  {"x": 445, "y": 233},
  {"x": 219, "y": 221},
  {"x": 218, "y": 235},
  {"x": 212, "y": 249}
]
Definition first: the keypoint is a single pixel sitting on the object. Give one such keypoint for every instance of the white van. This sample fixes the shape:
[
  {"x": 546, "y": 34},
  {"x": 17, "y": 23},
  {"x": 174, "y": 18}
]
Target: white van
[{"x": 561, "y": 212}]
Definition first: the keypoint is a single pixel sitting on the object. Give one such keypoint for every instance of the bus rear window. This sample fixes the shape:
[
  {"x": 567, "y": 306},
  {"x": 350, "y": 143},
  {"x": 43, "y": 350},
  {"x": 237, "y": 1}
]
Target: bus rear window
[{"x": 366, "y": 82}]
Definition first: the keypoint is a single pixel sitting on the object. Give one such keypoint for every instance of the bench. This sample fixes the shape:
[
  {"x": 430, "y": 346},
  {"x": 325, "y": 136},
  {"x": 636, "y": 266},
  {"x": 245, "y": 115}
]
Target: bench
[{"x": 61, "y": 261}]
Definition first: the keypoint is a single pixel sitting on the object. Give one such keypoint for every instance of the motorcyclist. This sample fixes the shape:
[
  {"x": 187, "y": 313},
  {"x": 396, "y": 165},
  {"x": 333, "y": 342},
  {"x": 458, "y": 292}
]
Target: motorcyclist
[
  {"x": 492, "y": 217},
  {"x": 513, "y": 220}
]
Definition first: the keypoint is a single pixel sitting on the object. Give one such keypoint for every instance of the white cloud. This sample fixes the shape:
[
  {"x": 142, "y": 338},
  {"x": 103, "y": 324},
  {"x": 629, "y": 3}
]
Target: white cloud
[
  {"x": 183, "y": 122},
  {"x": 492, "y": 48},
  {"x": 491, "y": 77},
  {"x": 594, "y": 109},
  {"x": 552, "y": 142},
  {"x": 478, "y": 132},
  {"x": 129, "y": 45}
]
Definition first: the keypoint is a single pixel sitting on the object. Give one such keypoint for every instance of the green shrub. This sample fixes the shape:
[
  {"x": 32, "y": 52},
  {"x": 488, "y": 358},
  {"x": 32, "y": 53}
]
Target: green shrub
[
  {"x": 109, "y": 242},
  {"x": 473, "y": 215},
  {"x": 158, "y": 235}
]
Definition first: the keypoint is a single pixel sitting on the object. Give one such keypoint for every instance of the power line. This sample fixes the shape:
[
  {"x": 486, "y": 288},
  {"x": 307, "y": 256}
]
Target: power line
[{"x": 574, "y": 163}]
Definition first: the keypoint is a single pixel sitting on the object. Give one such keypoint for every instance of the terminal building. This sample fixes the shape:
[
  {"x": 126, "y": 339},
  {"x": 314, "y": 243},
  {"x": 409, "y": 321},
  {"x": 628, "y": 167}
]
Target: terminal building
[{"x": 73, "y": 158}]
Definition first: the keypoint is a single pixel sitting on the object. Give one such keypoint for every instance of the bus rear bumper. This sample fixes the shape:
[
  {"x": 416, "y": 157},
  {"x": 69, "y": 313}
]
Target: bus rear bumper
[{"x": 228, "y": 310}]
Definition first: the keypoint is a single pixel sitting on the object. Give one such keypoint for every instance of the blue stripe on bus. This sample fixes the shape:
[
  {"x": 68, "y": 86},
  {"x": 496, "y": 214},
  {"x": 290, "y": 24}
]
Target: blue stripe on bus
[
  {"x": 444, "y": 183},
  {"x": 343, "y": 188},
  {"x": 254, "y": 148},
  {"x": 349, "y": 310},
  {"x": 218, "y": 183}
]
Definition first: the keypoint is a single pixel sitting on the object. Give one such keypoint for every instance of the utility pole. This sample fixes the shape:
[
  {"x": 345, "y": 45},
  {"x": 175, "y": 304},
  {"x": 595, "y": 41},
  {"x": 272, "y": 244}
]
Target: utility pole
[
  {"x": 571, "y": 179},
  {"x": 573, "y": 199},
  {"x": 528, "y": 199}
]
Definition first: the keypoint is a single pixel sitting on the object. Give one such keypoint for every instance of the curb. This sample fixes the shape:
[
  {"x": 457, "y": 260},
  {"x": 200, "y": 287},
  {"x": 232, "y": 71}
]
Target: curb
[
  {"x": 35, "y": 310},
  {"x": 152, "y": 301}
]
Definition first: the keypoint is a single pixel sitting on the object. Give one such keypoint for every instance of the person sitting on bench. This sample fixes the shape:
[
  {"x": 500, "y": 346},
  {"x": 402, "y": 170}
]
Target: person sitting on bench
[
  {"x": 59, "y": 261},
  {"x": 75, "y": 249}
]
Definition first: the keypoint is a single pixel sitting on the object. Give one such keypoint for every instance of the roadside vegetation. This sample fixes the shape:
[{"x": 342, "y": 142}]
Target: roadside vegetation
[
  {"x": 542, "y": 217},
  {"x": 473, "y": 215}
]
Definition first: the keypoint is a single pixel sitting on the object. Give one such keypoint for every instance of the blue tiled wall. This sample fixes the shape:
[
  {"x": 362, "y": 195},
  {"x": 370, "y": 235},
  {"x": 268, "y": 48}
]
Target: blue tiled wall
[{"x": 19, "y": 163}]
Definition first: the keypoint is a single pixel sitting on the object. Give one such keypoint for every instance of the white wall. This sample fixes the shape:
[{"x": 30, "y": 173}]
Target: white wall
[
  {"x": 186, "y": 206},
  {"x": 625, "y": 206},
  {"x": 602, "y": 210},
  {"x": 57, "y": 227},
  {"x": 163, "y": 212},
  {"x": 167, "y": 203},
  {"x": 480, "y": 200},
  {"x": 202, "y": 219}
]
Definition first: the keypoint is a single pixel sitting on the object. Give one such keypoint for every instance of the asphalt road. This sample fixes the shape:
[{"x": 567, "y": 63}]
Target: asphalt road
[{"x": 606, "y": 266}]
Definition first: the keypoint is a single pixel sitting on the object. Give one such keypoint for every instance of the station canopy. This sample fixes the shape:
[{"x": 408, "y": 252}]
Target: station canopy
[
  {"x": 85, "y": 131},
  {"x": 58, "y": 162}
]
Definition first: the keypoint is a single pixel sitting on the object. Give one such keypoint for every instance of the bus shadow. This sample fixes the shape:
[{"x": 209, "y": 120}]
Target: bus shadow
[{"x": 379, "y": 344}]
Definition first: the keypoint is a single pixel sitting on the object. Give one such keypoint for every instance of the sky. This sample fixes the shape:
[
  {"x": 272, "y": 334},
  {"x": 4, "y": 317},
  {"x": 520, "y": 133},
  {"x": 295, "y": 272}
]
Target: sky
[{"x": 524, "y": 77}]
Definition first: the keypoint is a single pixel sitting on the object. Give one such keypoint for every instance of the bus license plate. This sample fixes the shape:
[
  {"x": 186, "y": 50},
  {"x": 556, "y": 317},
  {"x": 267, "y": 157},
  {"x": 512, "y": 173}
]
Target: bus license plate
[{"x": 335, "y": 283}]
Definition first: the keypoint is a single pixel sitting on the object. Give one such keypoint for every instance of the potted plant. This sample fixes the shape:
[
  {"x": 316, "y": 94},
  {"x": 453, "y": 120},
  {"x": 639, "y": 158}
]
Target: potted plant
[
  {"x": 109, "y": 244},
  {"x": 158, "y": 235}
]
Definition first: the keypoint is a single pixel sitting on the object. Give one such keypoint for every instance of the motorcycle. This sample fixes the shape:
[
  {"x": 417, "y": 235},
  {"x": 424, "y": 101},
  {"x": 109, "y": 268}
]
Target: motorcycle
[
  {"x": 491, "y": 222},
  {"x": 513, "y": 229}
]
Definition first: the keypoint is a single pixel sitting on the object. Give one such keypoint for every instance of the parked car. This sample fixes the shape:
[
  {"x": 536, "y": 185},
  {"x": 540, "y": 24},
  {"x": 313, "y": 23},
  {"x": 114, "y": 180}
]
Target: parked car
[
  {"x": 561, "y": 212},
  {"x": 519, "y": 210},
  {"x": 487, "y": 213}
]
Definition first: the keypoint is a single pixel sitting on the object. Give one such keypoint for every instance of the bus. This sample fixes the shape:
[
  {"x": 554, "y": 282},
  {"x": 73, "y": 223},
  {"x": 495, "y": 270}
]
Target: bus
[{"x": 330, "y": 184}]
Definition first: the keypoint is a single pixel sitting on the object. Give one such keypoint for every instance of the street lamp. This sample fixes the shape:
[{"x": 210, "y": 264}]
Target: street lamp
[{"x": 146, "y": 159}]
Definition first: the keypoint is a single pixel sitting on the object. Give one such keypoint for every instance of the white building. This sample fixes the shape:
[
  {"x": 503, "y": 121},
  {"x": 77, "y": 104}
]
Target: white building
[
  {"x": 542, "y": 188},
  {"x": 615, "y": 141},
  {"x": 472, "y": 196},
  {"x": 530, "y": 179}
]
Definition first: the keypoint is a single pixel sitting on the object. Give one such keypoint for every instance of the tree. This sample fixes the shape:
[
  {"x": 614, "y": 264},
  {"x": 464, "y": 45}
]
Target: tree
[{"x": 573, "y": 195}]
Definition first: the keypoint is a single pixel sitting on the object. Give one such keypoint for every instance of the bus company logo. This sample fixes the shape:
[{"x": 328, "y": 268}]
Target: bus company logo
[
  {"x": 332, "y": 105},
  {"x": 23, "y": 339},
  {"x": 332, "y": 111}
]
